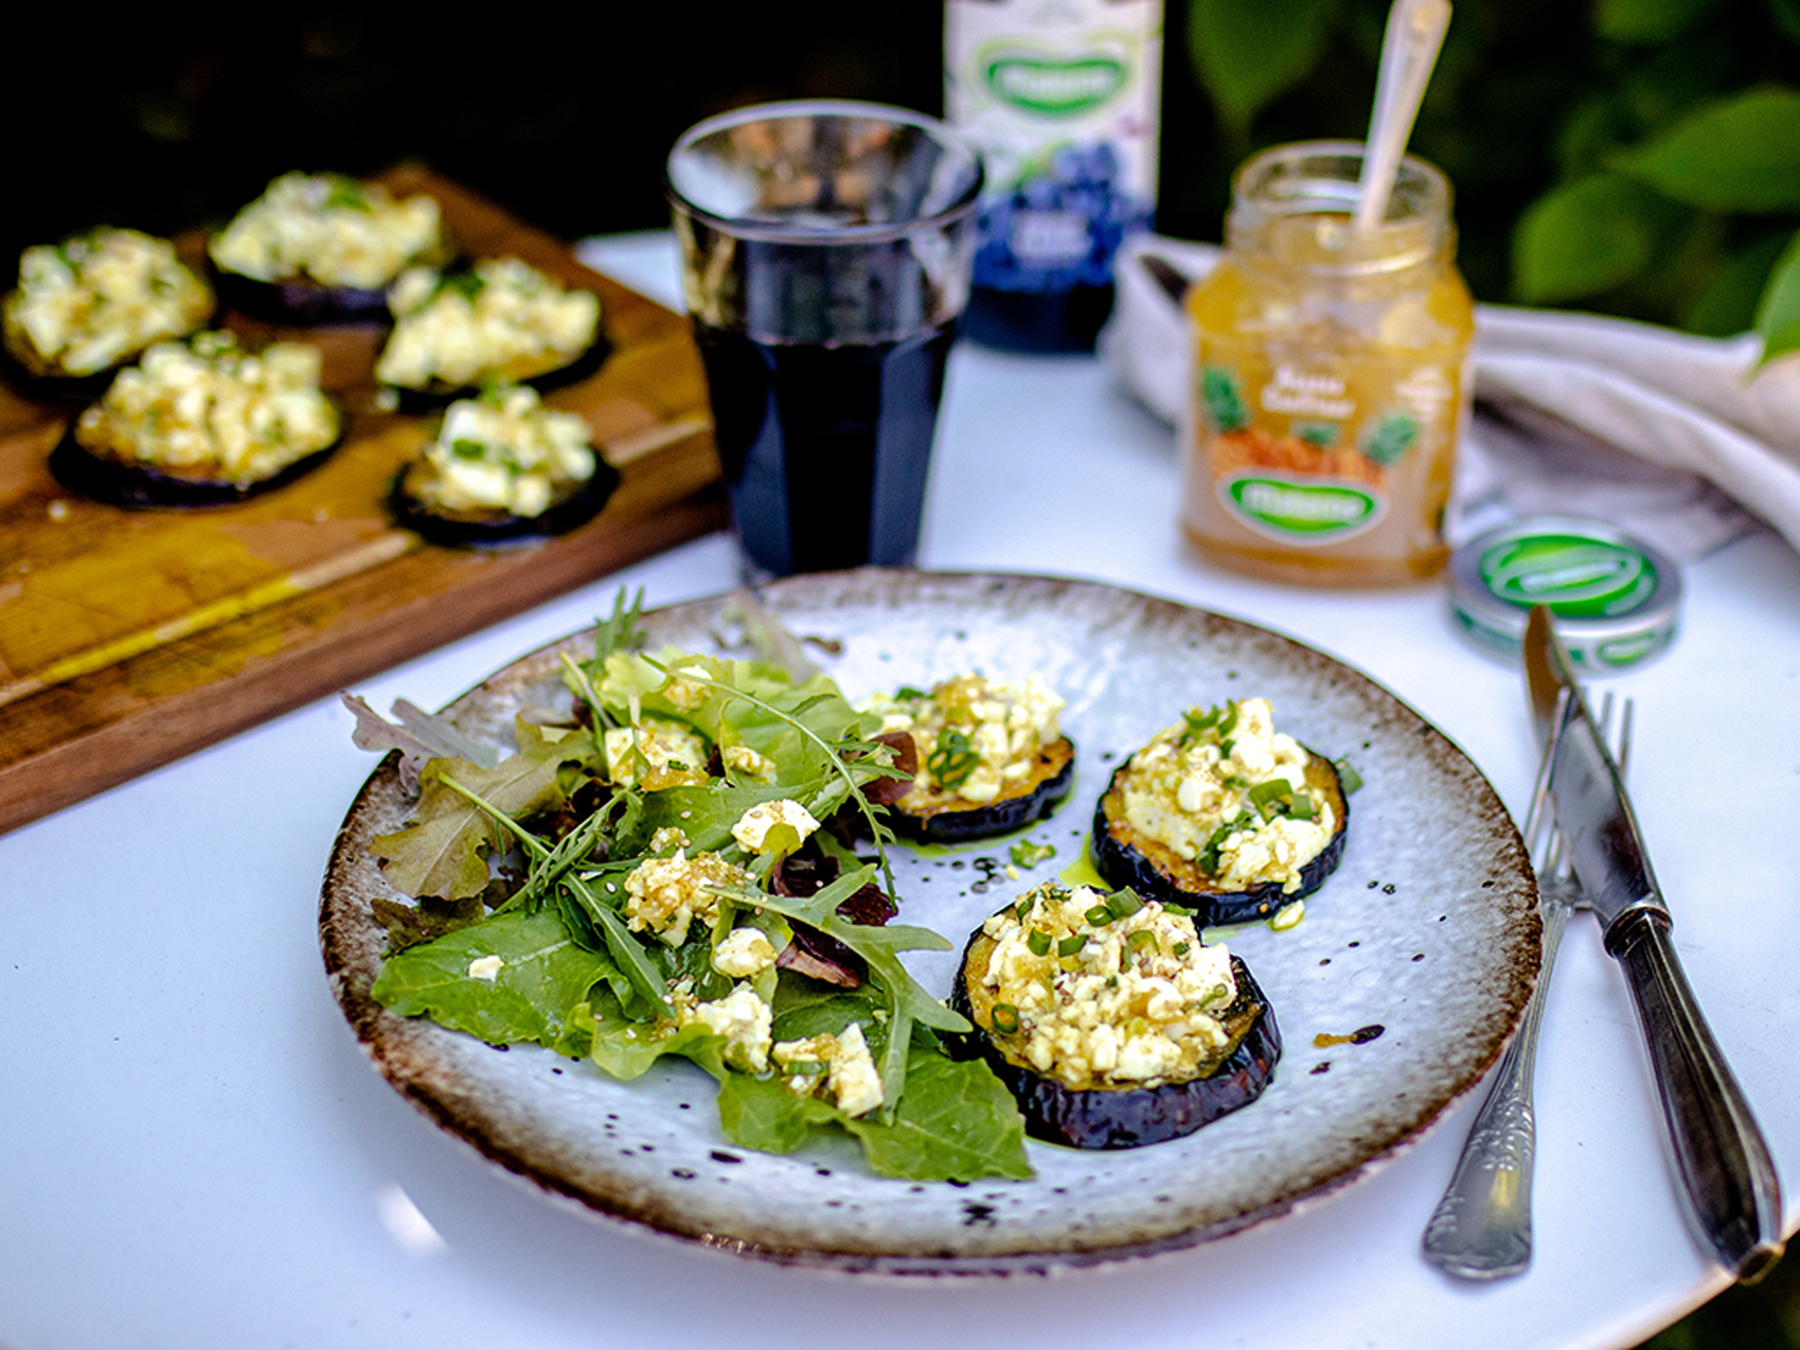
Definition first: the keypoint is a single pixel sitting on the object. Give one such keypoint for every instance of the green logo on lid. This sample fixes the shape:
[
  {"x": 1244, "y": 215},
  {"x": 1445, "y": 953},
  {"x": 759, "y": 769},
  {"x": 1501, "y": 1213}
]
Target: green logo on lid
[
  {"x": 1300, "y": 511},
  {"x": 1576, "y": 576},
  {"x": 1054, "y": 88}
]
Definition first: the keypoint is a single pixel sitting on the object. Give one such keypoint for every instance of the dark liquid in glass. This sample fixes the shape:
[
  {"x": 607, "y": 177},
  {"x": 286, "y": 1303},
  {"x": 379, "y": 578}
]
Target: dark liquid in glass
[{"x": 825, "y": 448}]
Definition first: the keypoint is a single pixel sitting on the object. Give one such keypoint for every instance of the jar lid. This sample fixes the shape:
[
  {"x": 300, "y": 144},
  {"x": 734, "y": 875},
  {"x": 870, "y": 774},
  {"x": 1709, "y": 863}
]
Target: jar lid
[{"x": 1616, "y": 599}]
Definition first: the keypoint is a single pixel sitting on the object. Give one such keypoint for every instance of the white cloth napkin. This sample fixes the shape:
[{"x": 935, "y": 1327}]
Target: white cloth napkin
[{"x": 1679, "y": 440}]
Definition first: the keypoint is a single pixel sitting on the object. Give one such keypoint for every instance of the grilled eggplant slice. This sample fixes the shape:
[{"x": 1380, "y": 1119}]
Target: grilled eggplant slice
[
  {"x": 1207, "y": 1054},
  {"x": 1253, "y": 843},
  {"x": 501, "y": 467},
  {"x": 117, "y": 483},
  {"x": 91, "y": 305},
  {"x": 474, "y": 529},
  {"x": 500, "y": 320},
  {"x": 320, "y": 249},
  {"x": 987, "y": 757},
  {"x": 161, "y": 436},
  {"x": 301, "y": 302}
]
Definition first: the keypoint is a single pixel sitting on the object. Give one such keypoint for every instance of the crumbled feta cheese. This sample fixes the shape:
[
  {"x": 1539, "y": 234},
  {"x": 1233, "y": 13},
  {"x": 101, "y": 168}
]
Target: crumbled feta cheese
[
  {"x": 486, "y": 968},
  {"x": 332, "y": 229},
  {"x": 752, "y": 828},
  {"x": 839, "y": 1065},
  {"x": 665, "y": 747},
  {"x": 665, "y": 895},
  {"x": 1124, "y": 1001},
  {"x": 743, "y": 1019},
  {"x": 975, "y": 737},
  {"x": 748, "y": 762},
  {"x": 503, "y": 451},
  {"x": 504, "y": 320},
  {"x": 208, "y": 405},
  {"x": 1193, "y": 779},
  {"x": 745, "y": 952},
  {"x": 97, "y": 299},
  {"x": 668, "y": 837}
]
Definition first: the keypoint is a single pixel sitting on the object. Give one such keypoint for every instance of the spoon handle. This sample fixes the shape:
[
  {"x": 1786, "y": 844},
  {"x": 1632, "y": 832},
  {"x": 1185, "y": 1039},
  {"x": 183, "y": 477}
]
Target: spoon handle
[{"x": 1415, "y": 32}]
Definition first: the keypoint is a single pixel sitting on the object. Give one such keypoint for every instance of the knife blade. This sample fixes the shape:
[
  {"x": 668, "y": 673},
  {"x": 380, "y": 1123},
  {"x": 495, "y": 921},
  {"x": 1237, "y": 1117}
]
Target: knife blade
[{"x": 1728, "y": 1177}]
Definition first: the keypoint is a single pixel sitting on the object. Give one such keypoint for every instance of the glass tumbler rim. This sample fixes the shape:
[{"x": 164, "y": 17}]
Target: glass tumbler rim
[{"x": 768, "y": 230}]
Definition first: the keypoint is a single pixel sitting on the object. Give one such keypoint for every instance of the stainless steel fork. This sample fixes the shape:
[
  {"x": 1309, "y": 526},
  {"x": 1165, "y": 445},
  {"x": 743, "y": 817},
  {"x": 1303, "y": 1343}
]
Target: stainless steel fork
[{"x": 1481, "y": 1229}]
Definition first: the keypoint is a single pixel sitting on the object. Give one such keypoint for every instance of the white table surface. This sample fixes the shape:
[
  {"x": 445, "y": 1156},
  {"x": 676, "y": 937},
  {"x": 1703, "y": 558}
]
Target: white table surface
[{"x": 194, "y": 1152}]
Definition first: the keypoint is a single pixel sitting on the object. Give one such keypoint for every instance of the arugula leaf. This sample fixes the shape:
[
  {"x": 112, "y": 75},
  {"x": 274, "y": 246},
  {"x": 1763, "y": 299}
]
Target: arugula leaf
[
  {"x": 543, "y": 976},
  {"x": 879, "y": 947}
]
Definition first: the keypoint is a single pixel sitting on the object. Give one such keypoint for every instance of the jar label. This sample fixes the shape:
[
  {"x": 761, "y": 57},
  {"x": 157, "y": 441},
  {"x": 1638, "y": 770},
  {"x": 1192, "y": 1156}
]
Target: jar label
[
  {"x": 1314, "y": 449},
  {"x": 1062, "y": 102}
]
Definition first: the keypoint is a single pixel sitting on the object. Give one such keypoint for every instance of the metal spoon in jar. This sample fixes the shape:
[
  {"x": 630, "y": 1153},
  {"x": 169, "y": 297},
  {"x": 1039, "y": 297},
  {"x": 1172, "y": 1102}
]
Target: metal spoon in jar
[{"x": 1415, "y": 33}]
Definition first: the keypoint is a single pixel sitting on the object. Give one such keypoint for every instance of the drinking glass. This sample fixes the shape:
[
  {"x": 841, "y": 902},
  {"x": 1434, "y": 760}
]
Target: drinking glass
[{"x": 826, "y": 251}]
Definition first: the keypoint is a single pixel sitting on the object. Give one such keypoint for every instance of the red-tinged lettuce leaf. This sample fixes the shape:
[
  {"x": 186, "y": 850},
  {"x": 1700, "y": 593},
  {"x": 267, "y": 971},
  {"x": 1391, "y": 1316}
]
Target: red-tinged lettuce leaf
[
  {"x": 419, "y": 736},
  {"x": 539, "y": 992},
  {"x": 445, "y": 852}
]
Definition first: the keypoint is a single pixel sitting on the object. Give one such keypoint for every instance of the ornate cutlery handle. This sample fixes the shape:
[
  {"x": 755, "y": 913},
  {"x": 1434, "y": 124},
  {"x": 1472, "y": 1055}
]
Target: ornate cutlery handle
[
  {"x": 1481, "y": 1229},
  {"x": 1732, "y": 1190}
]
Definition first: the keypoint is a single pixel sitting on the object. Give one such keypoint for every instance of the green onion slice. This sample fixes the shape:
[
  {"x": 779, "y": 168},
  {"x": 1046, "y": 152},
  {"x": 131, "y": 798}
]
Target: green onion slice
[
  {"x": 1006, "y": 1018},
  {"x": 1124, "y": 902}
]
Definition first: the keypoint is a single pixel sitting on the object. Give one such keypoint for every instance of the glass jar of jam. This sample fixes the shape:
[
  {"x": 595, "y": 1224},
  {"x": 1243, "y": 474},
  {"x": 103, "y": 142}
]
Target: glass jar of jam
[{"x": 1332, "y": 379}]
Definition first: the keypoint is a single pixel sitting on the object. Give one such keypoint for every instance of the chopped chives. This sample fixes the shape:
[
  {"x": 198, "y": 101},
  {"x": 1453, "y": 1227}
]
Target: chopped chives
[{"x": 1124, "y": 902}]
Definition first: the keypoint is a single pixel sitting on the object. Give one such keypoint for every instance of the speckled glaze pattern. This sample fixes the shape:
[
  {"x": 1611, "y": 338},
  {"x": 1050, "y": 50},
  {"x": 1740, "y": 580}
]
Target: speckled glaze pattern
[{"x": 1395, "y": 993}]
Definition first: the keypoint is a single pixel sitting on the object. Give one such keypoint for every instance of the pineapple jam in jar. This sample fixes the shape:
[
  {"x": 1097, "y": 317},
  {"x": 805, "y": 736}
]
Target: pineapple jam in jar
[{"x": 1331, "y": 381}]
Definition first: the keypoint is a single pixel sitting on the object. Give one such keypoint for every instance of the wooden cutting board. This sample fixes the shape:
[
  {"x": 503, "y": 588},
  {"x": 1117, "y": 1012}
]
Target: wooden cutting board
[{"x": 129, "y": 638}]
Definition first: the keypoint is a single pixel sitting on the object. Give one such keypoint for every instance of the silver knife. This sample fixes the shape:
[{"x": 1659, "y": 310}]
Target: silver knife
[{"x": 1734, "y": 1196}]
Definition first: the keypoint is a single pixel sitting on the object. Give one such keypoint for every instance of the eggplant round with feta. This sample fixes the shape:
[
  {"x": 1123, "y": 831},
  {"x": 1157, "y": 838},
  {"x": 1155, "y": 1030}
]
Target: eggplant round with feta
[
  {"x": 201, "y": 423},
  {"x": 500, "y": 468},
  {"x": 324, "y": 249},
  {"x": 1223, "y": 816},
  {"x": 1109, "y": 1021},
  {"x": 501, "y": 320},
  {"x": 91, "y": 304},
  {"x": 985, "y": 757}
]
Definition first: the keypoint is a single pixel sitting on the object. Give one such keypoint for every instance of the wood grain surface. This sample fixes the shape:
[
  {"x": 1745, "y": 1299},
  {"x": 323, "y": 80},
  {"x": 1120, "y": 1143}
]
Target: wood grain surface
[{"x": 129, "y": 638}]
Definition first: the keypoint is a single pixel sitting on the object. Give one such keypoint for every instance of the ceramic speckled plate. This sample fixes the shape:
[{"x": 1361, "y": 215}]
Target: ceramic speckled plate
[{"x": 1425, "y": 942}]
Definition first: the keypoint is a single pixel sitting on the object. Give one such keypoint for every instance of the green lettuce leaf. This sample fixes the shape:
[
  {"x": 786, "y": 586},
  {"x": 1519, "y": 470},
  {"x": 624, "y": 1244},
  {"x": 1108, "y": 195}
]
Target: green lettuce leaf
[
  {"x": 760, "y": 1113},
  {"x": 540, "y": 991},
  {"x": 955, "y": 1123}
]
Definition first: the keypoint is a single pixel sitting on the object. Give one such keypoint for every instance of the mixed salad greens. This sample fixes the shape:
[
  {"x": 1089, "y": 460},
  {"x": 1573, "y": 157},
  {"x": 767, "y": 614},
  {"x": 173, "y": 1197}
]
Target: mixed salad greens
[{"x": 674, "y": 872}]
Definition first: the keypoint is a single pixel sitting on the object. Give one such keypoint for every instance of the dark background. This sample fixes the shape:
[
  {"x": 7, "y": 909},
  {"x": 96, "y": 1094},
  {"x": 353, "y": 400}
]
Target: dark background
[{"x": 563, "y": 115}]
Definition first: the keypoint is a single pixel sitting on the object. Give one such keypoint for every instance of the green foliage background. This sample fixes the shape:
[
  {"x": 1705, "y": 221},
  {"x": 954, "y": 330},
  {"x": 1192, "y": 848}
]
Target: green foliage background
[{"x": 1636, "y": 157}]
